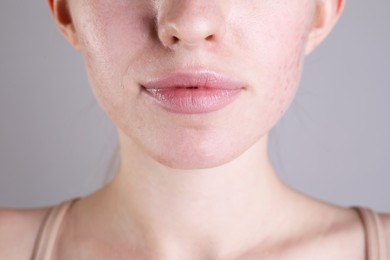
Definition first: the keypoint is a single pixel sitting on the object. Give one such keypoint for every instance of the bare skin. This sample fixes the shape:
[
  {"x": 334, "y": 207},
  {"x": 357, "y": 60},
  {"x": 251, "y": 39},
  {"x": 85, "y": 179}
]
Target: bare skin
[
  {"x": 196, "y": 186},
  {"x": 305, "y": 229}
]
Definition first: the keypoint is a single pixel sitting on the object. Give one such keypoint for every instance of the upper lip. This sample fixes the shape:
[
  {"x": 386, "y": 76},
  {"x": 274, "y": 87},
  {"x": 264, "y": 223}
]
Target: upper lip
[{"x": 194, "y": 79}]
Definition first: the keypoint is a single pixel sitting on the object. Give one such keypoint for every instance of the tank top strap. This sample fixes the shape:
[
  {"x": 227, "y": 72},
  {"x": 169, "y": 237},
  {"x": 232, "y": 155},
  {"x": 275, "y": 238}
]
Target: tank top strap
[
  {"x": 45, "y": 241},
  {"x": 374, "y": 234}
]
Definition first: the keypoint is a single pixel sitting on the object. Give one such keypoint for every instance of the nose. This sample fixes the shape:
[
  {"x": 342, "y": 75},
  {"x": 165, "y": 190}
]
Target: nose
[{"x": 189, "y": 22}]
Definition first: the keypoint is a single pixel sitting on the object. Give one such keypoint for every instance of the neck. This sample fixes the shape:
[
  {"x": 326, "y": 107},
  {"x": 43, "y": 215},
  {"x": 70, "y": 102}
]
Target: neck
[{"x": 216, "y": 212}]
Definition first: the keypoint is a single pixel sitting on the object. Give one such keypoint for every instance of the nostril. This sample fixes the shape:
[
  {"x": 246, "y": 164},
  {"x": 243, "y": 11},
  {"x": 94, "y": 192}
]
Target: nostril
[
  {"x": 210, "y": 37},
  {"x": 189, "y": 23},
  {"x": 175, "y": 39}
]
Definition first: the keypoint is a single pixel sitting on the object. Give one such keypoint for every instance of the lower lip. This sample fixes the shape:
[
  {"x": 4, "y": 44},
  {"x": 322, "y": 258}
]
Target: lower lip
[{"x": 193, "y": 101}]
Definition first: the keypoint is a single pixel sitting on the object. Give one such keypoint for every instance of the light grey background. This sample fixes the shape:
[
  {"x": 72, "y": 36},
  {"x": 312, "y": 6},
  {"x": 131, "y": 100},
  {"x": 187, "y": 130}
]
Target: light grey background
[{"x": 56, "y": 143}]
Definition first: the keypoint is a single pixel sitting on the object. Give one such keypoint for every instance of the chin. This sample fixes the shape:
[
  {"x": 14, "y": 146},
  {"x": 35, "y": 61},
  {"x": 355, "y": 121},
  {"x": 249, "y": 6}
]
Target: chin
[{"x": 200, "y": 155}]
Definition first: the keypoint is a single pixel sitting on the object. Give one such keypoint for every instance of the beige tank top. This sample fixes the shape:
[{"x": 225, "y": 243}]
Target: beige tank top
[
  {"x": 375, "y": 235},
  {"x": 43, "y": 250}
]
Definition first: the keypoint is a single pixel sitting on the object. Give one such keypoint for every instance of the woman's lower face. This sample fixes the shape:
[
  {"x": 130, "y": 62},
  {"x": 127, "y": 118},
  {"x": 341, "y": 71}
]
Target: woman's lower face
[{"x": 193, "y": 84}]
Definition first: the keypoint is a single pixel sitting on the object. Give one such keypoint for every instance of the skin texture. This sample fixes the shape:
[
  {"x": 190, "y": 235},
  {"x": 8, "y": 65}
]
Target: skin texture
[
  {"x": 199, "y": 186},
  {"x": 123, "y": 52},
  {"x": 196, "y": 186}
]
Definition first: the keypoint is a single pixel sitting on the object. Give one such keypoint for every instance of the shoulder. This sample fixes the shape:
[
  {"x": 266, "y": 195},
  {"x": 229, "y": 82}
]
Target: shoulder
[
  {"x": 18, "y": 231},
  {"x": 385, "y": 218}
]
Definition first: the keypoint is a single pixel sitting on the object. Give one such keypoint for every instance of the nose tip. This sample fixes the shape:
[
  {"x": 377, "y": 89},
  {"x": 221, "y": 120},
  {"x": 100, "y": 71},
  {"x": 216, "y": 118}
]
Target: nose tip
[
  {"x": 194, "y": 34},
  {"x": 190, "y": 24}
]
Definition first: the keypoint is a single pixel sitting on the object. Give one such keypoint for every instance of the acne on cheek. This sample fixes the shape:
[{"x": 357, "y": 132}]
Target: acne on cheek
[
  {"x": 289, "y": 71},
  {"x": 292, "y": 36}
]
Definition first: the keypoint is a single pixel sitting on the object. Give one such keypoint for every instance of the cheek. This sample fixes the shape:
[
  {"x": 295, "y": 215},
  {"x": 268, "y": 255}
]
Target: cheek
[
  {"x": 277, "y": 44},
  {"x": 113, "y": 37},
  {"x": 288, "y": 75},
  {"x": 103, "y": 25}
]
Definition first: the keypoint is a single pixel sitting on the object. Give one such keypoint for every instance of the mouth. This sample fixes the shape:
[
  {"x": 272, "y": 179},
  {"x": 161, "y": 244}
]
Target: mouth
[{"x": 193, "y": 93}]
